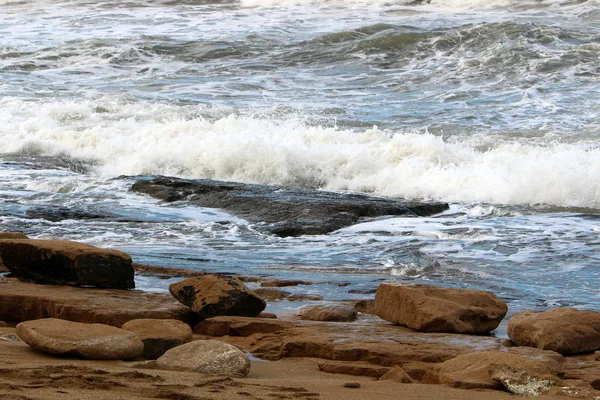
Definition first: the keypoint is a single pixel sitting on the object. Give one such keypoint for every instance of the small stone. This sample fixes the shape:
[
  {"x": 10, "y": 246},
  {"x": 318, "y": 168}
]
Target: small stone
[
  {"x": 267, "y": 315},
  {"x": 3, "y": 324},
  {"x": 352, "y": 385},
  {"x": 271, "y": 294},
  {"x": 208, "y": 357},
  {"x": 214, "y": 295},
  {"x": 304, "y": 297},
  {"x": 283, "y": 283},
  {"x": 74, "y": 339}
]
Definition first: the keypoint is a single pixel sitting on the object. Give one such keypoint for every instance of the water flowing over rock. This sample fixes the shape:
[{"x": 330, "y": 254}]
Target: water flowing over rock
[
  {"x": 208, "y": 357},
  {"x": 74, "y": 339},
  {"x": 213, "y": 295},
  {"x": 435, "y": 309},
  {"x": 564, "y": 330},
  {"x": 61, "y": 262},
  {"x": 335, "y": 313},
  {"x": 159, "y": 335},
  {"x": 284, "y": 211}
]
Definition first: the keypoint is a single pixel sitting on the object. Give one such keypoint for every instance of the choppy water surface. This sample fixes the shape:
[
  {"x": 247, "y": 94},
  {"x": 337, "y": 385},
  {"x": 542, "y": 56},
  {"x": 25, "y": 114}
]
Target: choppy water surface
[{"x": 493, "y": 106}]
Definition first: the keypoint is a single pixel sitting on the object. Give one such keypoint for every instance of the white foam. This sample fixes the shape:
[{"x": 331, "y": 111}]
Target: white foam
[{"x": 146, "y": 139}]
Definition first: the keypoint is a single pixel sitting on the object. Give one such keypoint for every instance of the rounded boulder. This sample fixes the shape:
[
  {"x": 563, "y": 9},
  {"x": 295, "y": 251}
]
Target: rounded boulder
[{"x": 159, "y": 335}]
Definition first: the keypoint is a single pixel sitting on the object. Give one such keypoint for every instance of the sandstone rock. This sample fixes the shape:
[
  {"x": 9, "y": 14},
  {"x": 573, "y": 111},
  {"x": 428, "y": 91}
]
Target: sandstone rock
[
  {"x": 267, "y": 315},
  {"x": 472, "y": 371},
  {"x": 62, "y": 262},
  {"x": 214, "y": 295},
  {"x": 3, "y": 324},
  {"x": 271, "y": 294},
  {"x": 239, "y": 326},
  {"x": 89, "y": 341},
  {"x": 13, "y": 235},
  {"x": 159, "y": 335},
  {"x": 396, "y": 374},
  {"x": 22, "y": 301},
  {"x": 435, "y": 309},
  {"x": 208, "y": 357},
  {"x": 564, "y": 330},
  {"x": 522, "y": 382},
  {"x": 333, "y": 313}
]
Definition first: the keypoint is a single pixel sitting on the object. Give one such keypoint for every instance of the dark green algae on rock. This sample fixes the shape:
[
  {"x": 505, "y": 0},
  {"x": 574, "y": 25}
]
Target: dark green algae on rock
[{"x": 283, "y": 211}]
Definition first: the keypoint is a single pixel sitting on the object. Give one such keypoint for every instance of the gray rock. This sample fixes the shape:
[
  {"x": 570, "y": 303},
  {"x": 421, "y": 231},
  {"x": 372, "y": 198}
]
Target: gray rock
[
  {"x": 284, "y": 211},
  {"x": 74, "y": 339},
  {"x": 208, "y": 357}
]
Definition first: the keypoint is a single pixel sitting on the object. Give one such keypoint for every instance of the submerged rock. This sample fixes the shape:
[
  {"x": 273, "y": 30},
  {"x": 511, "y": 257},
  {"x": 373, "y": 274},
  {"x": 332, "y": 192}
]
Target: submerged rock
[
  {"x": 284, "y": 211},
  {"x": 62, "y": 262},
  {"x": 208, "y": 357},
  {"x": 159, "y": 335},
  {"x": 564, "y": 330},
  {"x": 434, "y": 309},
  {"x": 74, "y": 339},
  {"x": 214, "y": 295}
]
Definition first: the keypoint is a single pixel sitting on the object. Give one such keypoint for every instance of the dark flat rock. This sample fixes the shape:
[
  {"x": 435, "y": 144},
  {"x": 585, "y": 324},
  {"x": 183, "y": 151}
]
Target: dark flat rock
[{"x": 283, "y": 211}]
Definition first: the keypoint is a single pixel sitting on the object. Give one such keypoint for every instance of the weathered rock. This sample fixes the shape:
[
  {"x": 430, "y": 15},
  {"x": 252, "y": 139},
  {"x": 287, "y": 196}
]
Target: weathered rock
[
  {"x": 472, "y": 371},
  {"x": 522, "y": 382},
  {"x": 159, "y": 335},
  {"x": 365, "y": 306},
  {"x": 285, "y": 211},
  {"x": 62, "y": 262},
  {"x": 74, "y": 339},
  {"x": 283, "y": 283},
  {"x": 13, "y": 235},
  {"x": 239, "y": 326},
  {"x": 22, "y": 301},
  {"x": 435, "y": 309},
  {"x": 214, "y": 295},
  {"x": 304, "y": 297},
  {"x": 271, "y": 294},
  {"x": 333, "y": 313},
  {"x": 564, "y": 330},
  {"x": 208, "y": 357},
  {"x": 396, "y": 374},
  {"x": 3, "y": 324},
  {"x": 267, "y": 315}
]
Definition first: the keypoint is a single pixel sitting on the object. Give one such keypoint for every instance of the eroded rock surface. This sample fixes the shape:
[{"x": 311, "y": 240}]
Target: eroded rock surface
[
  {"x": 434, "y": 309},
  {"x": 208, "y": 357},
  {"x": 332, "y": 313},
  {"x": 159, "y": 335},
  {"x": 61, "y": 262},
  {"x": 284, "y": 211},
  {"x": 564, "y": 330},
  {"x": 74, "y": 339},
  {"x": 214, "y": 295},
  {"x": 23, "y": 301}
]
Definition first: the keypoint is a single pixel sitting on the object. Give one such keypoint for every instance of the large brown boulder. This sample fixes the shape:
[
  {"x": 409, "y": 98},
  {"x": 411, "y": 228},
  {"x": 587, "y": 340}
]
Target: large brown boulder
[
  {"x": 74, "y": 339},
  {"x": 564, "y": 330},
  {"x": 208, "y": 357},
  {"x": 159, "y": 335},
  {"x": 214, "y": 295},
  {"x": 435, "y": 309},
  {"x": 332, "y": 313},
  {"x": 10, "y": 235},
  {"x": 474, "y": 370},
  {"x": 61, "y": 262}
]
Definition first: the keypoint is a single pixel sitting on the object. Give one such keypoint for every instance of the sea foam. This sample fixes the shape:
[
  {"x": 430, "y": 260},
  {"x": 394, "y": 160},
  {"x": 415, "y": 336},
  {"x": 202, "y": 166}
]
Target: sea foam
[{"x": 194, "y": 142}]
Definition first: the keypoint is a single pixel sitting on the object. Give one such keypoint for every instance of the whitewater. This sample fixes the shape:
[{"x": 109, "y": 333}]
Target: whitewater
[{"x": 492, "y": 106}]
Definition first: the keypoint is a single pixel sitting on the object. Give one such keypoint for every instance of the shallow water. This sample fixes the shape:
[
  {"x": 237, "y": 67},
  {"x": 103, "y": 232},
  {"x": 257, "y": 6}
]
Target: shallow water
[{"x": 489, "y": 105}]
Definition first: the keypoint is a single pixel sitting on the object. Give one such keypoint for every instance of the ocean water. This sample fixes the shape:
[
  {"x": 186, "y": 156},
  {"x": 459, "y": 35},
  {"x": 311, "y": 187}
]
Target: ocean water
[{"x": 490, "y": 105}]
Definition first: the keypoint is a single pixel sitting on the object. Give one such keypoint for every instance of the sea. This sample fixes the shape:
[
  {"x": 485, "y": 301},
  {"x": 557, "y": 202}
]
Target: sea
[{"x": 490, "y": 105}]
